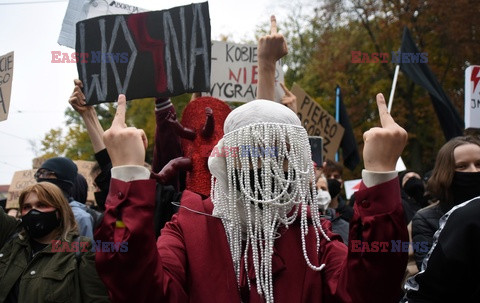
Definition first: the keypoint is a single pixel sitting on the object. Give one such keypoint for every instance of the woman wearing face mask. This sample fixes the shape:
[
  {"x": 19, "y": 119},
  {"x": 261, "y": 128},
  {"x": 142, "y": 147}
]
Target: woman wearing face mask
[
  {"x": 327, "y": 193},
  {"x": 412, "y": 190},
  {"x": 449, "y": 272},
  {"x": 455, "y": 179},
  {"x": 46, "y": 261}
]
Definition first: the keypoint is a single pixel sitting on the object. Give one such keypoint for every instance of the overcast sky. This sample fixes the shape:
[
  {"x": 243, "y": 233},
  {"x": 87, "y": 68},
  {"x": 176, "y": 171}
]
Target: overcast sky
[{"x": 41, "y": 89}]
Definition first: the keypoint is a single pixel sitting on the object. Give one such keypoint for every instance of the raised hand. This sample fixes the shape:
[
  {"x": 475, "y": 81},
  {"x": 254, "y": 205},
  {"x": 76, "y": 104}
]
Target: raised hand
[
  {"x": 383, "y": 145},
  {"x": 289, "y": 99},
  {"x": 77, "y": 99},
  {"x": 125, "y": 145},
  {"x": 89, "y": 116},
  {"x": 270, "y": 49}
]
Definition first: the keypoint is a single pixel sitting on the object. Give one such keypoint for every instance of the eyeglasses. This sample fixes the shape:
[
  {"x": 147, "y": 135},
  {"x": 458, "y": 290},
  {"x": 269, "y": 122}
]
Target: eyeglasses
[{"x": 45, "y": 174}]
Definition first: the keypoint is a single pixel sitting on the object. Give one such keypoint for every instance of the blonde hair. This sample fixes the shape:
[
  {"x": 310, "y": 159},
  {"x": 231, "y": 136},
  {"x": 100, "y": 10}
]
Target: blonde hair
[{"x": 53, "y": 196}]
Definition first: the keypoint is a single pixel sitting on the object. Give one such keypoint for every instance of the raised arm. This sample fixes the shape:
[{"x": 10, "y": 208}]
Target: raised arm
[
  {"x": 271, "y": 48},
  {"x": 89, "y": 116},
  {"x": 377, "y": 229},
  {"x": 137, "y": 275}
]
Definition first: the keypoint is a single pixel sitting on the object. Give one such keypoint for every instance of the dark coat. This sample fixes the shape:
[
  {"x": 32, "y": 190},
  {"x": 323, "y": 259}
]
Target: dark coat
[
  {"x": 424, "y": 226},
  {"x": 452, "y": 272},
  {"x": 191, "y": 261},
  {"x": 49, "y": 276}
]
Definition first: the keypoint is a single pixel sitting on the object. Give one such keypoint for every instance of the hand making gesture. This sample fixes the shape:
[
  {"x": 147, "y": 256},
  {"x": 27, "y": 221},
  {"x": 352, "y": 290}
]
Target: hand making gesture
[
  {"x": 271, "y": 48},
  {"x": 125, "y": 145},
  {"x": 383, "y": 145}
]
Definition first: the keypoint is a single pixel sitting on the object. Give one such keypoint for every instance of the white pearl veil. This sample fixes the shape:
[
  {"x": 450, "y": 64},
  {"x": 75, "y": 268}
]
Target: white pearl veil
[{"x": 262, "y": 175}]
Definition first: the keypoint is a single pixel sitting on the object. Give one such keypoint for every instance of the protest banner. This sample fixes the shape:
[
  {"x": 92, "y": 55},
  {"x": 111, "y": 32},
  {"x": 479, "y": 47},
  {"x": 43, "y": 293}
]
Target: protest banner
[
  {"x": 78, "y": 10},
  {"x": 20, "y": 180},
  {"x": 472, "y": 97},
  {"x": 6, "y": 77},
  {"x": 318, "y": 122},
  {"x": 153, "y": 54},
  {"x": 235, "y": 72}
]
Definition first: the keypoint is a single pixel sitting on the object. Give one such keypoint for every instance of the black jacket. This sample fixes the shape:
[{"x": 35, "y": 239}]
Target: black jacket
[
  {"x": 452, "y": 272},
  {"x": 424, "y": 225}
]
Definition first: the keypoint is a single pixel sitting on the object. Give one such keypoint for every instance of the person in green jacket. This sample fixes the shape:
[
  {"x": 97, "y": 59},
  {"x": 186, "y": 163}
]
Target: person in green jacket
[{"x": 42, "y": 258}]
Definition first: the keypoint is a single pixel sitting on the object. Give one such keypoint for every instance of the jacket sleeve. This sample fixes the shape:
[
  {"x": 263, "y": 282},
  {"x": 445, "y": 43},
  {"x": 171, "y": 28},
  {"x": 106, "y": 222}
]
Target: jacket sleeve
[
  {"x": 103, "y": 179},
  {"x": 139, "y": 274},
  {"x": 167, "y": 143},
  {"x": 85, "y": 222},
  {"x": 91, "y": 286},
  {"x": 8, "y": 226},
  {"x": 421, "y": 233},
  {"x": 371, "y": 259}
]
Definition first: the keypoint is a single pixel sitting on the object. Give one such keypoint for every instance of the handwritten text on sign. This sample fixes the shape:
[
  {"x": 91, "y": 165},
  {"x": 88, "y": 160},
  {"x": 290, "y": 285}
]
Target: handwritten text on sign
[
  {"x": 168, "y": 53},
  {"x": 318, "y": 122},
  {"x": 235, "y": 72},
  {"x": 6, "y": 76},
  {"x": 21, "y": 180}
]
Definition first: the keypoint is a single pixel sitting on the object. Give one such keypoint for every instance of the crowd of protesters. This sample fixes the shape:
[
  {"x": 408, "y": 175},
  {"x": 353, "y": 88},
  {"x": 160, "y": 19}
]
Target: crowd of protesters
[{"x": 268, "y": 228}]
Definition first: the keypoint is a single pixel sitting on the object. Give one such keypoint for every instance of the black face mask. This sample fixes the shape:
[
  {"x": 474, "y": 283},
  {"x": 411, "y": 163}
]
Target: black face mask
[
  {"x": 100, "y": 198},
  {"x": 414, "y": 188},
  {"x": 334, "y": 187},
  {"x": 465, "y": 186},
  {"x": 39, "y": 224}
]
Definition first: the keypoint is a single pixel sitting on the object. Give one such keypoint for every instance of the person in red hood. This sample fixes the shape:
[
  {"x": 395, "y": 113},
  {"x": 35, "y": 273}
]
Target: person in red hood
[{"x": 259, "y": 236}]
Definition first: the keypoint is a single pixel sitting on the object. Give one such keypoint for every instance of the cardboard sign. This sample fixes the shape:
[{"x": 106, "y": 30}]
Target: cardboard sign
[
  {"x": 84, "y": 168},
  {"x": 153, "y": 54},
  {"x": 318, "y": 122},
  {"x": 79, "y": 10},
  {"x": 24, "y": 178},
  {"x": 235, "y": 72},
  {"x": 21, "y": 180},
  {"x": 6, "y": 77},
  {"x": 472, "y": 97}
]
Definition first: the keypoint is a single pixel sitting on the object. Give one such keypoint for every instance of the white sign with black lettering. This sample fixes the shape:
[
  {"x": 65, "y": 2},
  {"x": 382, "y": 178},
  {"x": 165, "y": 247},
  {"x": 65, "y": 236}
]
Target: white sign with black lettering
[
  {"x": 472, "y": 97},
  {"x": 79, "y": 10},
  {"x": 235, "y": 72}
]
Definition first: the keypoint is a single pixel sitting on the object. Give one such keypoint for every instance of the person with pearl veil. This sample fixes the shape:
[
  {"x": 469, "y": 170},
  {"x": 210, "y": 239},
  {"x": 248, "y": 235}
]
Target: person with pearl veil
[{"x": 259, "y": 236}]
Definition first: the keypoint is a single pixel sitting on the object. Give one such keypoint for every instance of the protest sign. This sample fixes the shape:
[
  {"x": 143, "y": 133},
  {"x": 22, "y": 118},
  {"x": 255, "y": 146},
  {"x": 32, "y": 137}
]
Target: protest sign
[
  {"x": 472, "y": 97},
  {"x": 235, "y": 72},
  {"x": 84, "y": 168},
  {"x": 351, "y": 186},
  {"x": 318, "y": 122},
  {"x": 21, "y": 179},
  {"x": 78, "y": 10},
  {"x": 153, "y": 54},
  {"x": 6, "y": 77}
]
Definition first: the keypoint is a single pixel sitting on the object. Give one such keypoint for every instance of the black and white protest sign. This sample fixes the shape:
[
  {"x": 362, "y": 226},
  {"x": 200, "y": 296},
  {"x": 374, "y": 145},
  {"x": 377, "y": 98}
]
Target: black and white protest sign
[{"x": 153, "y": 54}]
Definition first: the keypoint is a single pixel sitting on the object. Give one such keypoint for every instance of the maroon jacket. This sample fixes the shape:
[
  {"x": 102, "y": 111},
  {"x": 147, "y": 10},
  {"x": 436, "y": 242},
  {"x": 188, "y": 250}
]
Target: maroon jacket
[{"x": 191, "y": 261}]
